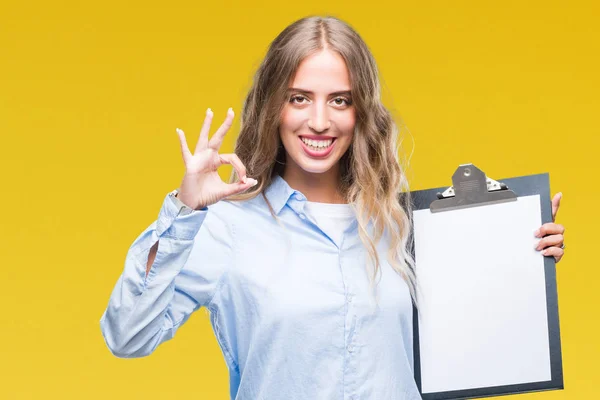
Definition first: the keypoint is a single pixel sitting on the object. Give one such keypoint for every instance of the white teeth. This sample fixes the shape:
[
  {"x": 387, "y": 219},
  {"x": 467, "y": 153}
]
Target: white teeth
[{"x": 317, "y": 144}]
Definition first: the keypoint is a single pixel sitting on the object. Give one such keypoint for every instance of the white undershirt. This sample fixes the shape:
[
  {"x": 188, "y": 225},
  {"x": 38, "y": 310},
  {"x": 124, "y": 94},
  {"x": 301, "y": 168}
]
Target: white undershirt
[{"x": 333, "y": 219}]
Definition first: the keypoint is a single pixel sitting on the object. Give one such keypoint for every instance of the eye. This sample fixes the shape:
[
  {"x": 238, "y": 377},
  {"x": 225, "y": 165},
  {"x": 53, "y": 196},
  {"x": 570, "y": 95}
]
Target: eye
[
  {"x": 298, "y": 99},
  {"x": 341, "y": 101}
]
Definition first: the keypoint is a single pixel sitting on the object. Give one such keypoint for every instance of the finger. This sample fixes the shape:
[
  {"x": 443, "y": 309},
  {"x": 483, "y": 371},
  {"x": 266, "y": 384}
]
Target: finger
[
  {"x": 550, "y": 228},
  {"x": 237, "y": 164},
  {"x": 217, "y": 139},
  {"x": 185, "y": 151},
  {"x": 553, "y": 240},
  {"x": 239, "y": 187},
  {"x": 556, "y": 204},
  {"x": 203, "y": 140},
  {"x": 555, "y": 252}
]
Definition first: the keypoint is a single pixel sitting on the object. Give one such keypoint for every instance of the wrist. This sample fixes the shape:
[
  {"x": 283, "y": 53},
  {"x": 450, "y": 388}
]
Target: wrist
[
  {"x": 185, "y": 204},
  {"x": 183, "y": 208}
]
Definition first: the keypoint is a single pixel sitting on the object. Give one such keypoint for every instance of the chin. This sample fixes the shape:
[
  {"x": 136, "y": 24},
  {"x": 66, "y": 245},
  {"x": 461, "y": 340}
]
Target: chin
[{"x": 315, "y": 167}]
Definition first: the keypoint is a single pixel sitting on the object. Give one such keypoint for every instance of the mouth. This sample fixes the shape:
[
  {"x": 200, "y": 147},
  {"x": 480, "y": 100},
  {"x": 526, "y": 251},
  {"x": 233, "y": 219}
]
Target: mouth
[{"x": 317, "y": 147}]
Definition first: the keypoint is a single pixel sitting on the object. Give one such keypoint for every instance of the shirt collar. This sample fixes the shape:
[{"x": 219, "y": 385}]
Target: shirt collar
[{"x": 279, "y": 192}]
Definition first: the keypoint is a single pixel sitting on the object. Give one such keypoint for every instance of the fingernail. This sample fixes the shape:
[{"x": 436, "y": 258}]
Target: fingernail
[
  {"x": 537, "y": 233},
  {"x": 545, "y": 252},
  {"x": 245, "y": 179},
  {"x": 208, "y": 111},
  {"x": 178, "y": 130},
  {"x": 254, "y": 182}
]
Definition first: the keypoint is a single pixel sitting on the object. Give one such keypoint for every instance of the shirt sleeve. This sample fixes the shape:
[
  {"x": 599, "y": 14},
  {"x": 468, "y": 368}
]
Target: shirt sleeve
[{"x": 193, "y": 255}]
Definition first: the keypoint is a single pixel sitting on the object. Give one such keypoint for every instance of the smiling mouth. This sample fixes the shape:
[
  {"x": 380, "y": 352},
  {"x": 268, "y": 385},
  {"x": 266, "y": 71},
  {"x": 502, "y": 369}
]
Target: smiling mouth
[{"x": 317, "y": 145}]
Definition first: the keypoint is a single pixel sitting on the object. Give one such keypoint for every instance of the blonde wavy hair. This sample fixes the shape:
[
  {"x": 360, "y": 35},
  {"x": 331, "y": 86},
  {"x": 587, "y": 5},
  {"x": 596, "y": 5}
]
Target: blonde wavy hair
[{"x": 372, "y": 179}]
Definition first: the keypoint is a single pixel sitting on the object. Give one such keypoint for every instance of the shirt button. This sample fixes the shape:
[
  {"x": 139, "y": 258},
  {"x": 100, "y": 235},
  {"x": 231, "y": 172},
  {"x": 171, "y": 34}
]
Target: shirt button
[
  {"x": 302, "y": 216},
  {"x": 299, "y": 196},
  {"x": 350, "y": 297},
  {"x": 350, "y": 348}
]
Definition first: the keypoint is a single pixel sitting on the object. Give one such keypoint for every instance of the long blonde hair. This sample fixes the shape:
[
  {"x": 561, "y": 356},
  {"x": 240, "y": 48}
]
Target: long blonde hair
[{"x": 371, "y": 176}]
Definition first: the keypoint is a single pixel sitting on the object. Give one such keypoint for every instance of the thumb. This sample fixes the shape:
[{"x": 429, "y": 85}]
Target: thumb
[
  {"x": 239, "y": 187},
  {"x": 556, "y": 204}
]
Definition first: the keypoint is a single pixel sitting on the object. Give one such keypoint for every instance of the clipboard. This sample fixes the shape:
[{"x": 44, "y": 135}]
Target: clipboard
[{"x": 487, "y": 317}]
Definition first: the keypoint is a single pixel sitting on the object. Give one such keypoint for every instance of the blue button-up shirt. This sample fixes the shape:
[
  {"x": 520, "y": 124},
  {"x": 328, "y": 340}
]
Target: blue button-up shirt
[{"x": 291, "y": 309}]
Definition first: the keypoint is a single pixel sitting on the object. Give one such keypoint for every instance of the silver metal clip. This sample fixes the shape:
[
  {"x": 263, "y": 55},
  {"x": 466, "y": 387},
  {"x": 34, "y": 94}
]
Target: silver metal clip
[{"x": 471, "y": 187}]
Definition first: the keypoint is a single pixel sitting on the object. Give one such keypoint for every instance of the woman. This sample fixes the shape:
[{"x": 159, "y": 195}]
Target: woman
[{"x": 302, "y": 259}]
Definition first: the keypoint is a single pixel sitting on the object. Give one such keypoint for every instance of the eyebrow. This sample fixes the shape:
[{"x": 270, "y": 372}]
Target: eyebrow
[{"x": 341, "y": 92}]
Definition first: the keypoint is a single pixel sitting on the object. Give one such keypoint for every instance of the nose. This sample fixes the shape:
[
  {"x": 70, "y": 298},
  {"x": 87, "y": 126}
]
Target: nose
[{"x": 319, "y": 119}]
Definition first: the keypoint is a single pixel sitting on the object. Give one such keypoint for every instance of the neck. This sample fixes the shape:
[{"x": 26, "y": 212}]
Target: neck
[{"x": 321, "y": 188}]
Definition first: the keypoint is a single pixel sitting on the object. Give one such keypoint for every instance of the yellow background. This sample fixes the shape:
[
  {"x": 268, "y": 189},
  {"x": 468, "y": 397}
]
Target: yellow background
[{"x": 91, "y": 94}]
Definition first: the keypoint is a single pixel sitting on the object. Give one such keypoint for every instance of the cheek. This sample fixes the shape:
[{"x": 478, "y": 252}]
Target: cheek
[
  {"x": 291, "y": 120},
  {"x": 346, "y": 124}
]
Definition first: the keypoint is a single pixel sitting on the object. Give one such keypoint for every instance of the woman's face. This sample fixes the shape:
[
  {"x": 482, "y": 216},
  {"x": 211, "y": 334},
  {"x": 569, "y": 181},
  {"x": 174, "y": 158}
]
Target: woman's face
[{"x": 317, "y": 122}]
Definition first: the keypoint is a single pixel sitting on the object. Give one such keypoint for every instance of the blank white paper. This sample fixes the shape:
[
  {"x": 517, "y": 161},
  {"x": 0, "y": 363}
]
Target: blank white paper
[{"x": 482, "y": 297}]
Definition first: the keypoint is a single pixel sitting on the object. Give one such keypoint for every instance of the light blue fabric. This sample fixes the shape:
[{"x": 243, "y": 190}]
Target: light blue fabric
[{"x": 292, "y": 311}]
